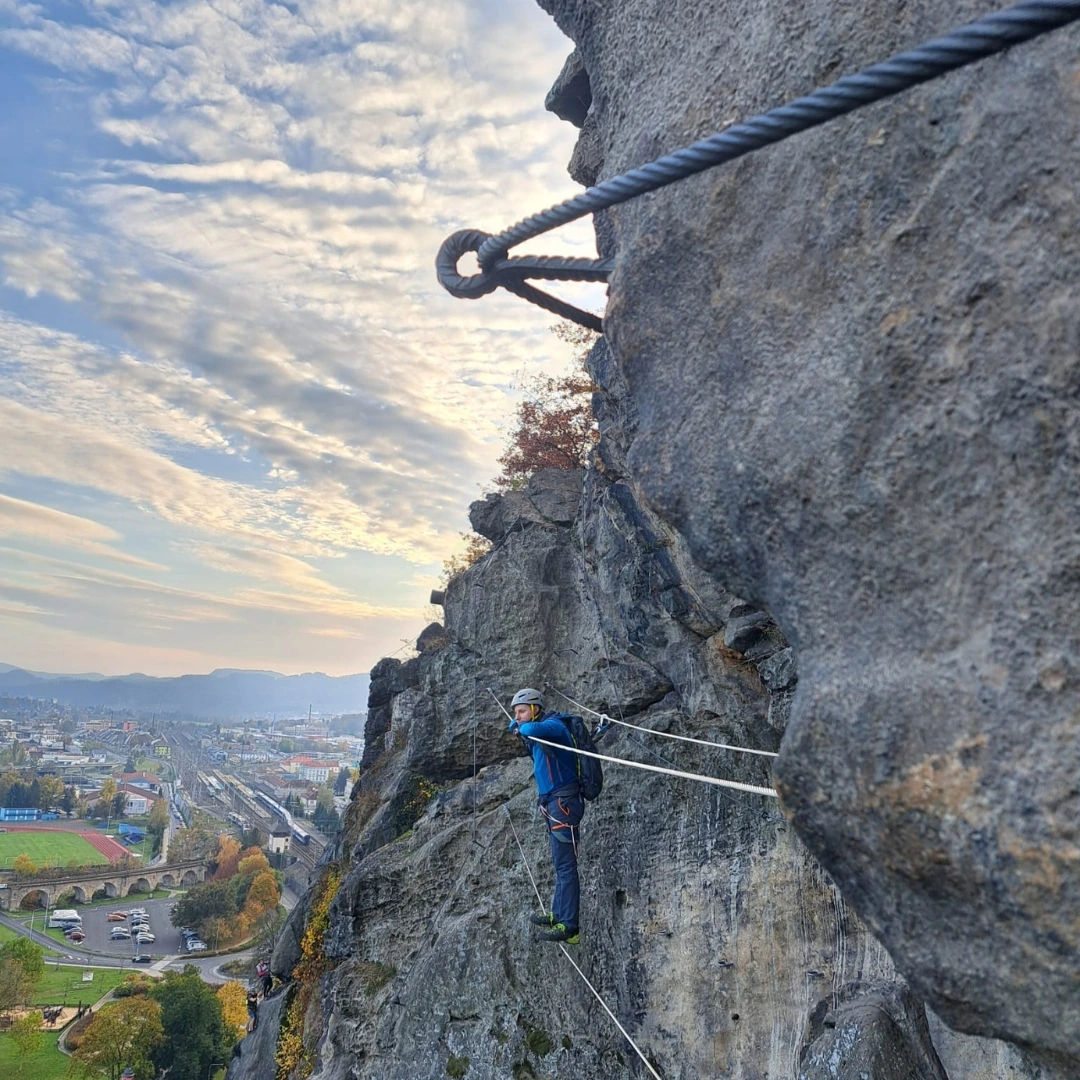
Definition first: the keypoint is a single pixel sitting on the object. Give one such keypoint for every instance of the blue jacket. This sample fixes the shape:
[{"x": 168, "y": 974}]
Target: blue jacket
[{"x": 552, "y": 769}]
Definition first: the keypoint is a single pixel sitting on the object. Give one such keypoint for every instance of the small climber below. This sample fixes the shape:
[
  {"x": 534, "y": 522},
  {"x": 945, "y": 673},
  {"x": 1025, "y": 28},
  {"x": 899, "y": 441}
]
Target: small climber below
[
  {"x": 560, "y": 800},
  {"x": 253, "y": 1008}
]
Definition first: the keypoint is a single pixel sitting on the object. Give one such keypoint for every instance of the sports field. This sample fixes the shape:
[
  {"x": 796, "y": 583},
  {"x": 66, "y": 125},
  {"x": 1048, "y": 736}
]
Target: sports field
[{"x": 49, "y": 847}]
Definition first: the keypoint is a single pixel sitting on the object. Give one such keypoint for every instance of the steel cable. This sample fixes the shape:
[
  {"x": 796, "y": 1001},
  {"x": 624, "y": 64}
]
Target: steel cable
[{"x": 963, "y": 46}]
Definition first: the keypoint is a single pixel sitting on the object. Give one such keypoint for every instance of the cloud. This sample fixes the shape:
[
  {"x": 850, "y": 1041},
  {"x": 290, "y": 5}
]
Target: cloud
[
  {"x": 246, "y": 349},
  {"x": 30, "y": 521}
]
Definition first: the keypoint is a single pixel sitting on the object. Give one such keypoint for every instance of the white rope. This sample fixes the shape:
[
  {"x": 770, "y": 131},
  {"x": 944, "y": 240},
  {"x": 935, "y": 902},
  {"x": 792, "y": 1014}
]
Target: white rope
[
  {"x": 656, "y": 768},
  {"x": 665, "y": 734},
  {"x": 611, "y": 1014},
  {"x": 525, "y": 862},
  {"x": 615, "y": 1019}
]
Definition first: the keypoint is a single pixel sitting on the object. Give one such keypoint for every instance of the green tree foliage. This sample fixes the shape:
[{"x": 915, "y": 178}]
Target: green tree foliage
[
  {"x": 15, "y": 754},
  {"x": 158, "y": 822},
  {"x": 211, "y": 899},
  {"x": 219, "y": 909},
  {"x": 27, "y": 1036},
  {"x": 28, "y": 954},
  {"x": 196, "y": 1033},
  {"x": 50, "y": 792},
  {"x": 15, "y": 985},
  {"x": 121, "y": 1035},
  {"x": 193, "y": 843}
]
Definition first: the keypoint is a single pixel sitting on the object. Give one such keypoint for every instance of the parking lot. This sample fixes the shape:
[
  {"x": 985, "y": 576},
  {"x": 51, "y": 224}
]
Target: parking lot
[{"x": 97, "y": 928}]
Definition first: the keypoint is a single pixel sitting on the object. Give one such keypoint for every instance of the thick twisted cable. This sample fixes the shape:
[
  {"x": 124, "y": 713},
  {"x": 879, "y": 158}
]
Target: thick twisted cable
[
  {"x": 965, "y": 45},
  {"x": 512, "y": 275}
]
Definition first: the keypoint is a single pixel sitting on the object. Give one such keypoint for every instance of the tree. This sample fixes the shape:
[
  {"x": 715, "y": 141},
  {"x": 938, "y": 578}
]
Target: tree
[
  {"x": 15, "y": 754},
  {"x": 129, "y": 765},
  {"x": 27, "y": 1036},
  {"x": 342, "y": 781},
  {"x": 476, "y": 547},
  {"x": 108, "y": 790},
  {"x": 254, "y": 862},
  {"x": 27, "y": 953},
  {"x": 262, "y": 896},
  {"x": 119, "y": 804},
  {"x": 15, "y": 987},
  {"x": 211, "y": 899},
  {"x": 158, "y": 822},
  {"x": 196, "y": 1034},
  {"x": 120, "y": 1036},
  {"x": 23, "y": 864},
  {"x": 70, "y": 800},
  {"x": 233, "y": 998},
  {"x": 554, "y": 426},
  {"x": 228, "y": 857},
  {"x": 50, "y": 792}
]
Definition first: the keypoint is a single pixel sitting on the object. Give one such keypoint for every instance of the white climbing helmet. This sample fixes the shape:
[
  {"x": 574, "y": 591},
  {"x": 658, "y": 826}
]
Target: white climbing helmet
[{"x": 528, "y": 696}]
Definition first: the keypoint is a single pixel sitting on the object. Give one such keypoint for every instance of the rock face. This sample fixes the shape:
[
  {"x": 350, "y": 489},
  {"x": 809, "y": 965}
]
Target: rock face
[
  {"x": 833, "y": 512},
  {"x": 853, "y": 362},
  {"x": 709, "y": 929}
]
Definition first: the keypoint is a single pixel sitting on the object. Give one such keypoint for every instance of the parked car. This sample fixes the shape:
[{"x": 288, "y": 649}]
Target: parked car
[
  {"x": 195, "y": 945},
  {"x": 120, "y": 933},
  {"x": 142, "y": 958},
  {"x": 77, "y": 936},
  {"x": 116, "y": 916},
  {"x": 145, "y": 938}
]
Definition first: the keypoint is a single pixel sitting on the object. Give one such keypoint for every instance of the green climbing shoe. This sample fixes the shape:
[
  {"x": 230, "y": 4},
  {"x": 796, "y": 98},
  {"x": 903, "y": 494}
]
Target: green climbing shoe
[
  {"x": 547, "y": 919},
  {"x": 559, "y": 932}
]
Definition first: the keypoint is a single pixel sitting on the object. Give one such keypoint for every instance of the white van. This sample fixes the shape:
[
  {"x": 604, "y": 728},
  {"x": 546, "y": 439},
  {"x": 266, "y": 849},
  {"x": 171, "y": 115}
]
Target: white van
[{"x": 62, "y": 917}]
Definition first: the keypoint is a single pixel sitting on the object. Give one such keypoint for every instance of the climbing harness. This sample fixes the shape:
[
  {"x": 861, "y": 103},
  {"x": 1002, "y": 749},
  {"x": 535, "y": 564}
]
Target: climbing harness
[
  {"x": 656, "y": 768},
  {"x": 608, "y": 720},
  {"x": 539, "y": 900},
  {"x": 963, "y": 46}
]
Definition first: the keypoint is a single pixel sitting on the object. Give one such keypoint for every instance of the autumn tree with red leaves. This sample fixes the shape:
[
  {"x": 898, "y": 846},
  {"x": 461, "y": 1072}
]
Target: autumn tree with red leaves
[{"x": 554, "y": 427}]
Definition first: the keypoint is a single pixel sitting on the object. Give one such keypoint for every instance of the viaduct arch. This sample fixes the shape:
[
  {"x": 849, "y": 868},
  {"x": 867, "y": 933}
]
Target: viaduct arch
[{"x": 113, "y": 881}]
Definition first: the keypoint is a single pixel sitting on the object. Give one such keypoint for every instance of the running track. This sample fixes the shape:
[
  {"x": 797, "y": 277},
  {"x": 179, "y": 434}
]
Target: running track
[{"x": 105, "y": 844}]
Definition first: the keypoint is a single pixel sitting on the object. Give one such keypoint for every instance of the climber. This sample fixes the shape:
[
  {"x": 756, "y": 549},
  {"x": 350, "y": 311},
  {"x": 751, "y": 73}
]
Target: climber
[
  {"x": 253, "y": 1008},
  {"x": 561, "y": 803}
]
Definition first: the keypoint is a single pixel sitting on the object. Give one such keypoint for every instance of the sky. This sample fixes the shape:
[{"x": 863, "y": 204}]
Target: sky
[{"x": 240, "y": 421}]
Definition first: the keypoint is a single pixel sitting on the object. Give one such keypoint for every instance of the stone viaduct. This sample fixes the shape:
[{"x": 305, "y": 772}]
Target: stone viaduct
[{"x": 112, "y": 881}]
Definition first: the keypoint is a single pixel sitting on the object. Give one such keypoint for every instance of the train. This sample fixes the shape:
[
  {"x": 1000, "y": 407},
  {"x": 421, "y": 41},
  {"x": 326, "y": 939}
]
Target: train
[{"x": 302, "y": 836}]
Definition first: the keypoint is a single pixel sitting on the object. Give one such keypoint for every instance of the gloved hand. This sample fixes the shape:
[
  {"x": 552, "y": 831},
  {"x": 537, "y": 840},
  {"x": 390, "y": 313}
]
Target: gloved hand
[{"x": 513, "y": 728}]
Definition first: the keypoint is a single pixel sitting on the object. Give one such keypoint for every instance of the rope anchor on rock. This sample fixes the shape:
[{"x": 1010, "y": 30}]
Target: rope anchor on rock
[{"x": 963, "y": 46}]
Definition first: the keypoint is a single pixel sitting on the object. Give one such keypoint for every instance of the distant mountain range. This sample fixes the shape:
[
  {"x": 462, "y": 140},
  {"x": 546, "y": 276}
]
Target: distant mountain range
[{"x": 222, "y": 694}]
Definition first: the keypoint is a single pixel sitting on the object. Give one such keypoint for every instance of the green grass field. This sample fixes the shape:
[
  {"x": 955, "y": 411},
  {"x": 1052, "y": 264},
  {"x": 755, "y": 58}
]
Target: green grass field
[
  {"x": 53, "y": 848},
  {"x": 47, "y": 1064},
  {"x": 60, "y": 983}
]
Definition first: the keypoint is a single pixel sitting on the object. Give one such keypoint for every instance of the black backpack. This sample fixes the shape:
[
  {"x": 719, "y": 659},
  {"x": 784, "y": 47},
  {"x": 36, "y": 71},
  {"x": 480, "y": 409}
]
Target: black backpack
[{"x": 590, "y": 770}]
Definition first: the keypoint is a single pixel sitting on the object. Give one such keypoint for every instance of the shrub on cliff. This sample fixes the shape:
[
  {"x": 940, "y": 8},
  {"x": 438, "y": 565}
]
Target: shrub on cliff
[{"x": 554, "y": 426}]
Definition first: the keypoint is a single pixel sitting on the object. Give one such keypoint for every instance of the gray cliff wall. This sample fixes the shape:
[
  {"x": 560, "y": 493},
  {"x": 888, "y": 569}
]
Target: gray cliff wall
[
  {"x": 833, "y": 512},
  {"x": 709, "y": 928},
  {"x": 710, "y": 931},
  {"x": 855, "y": 364}
]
